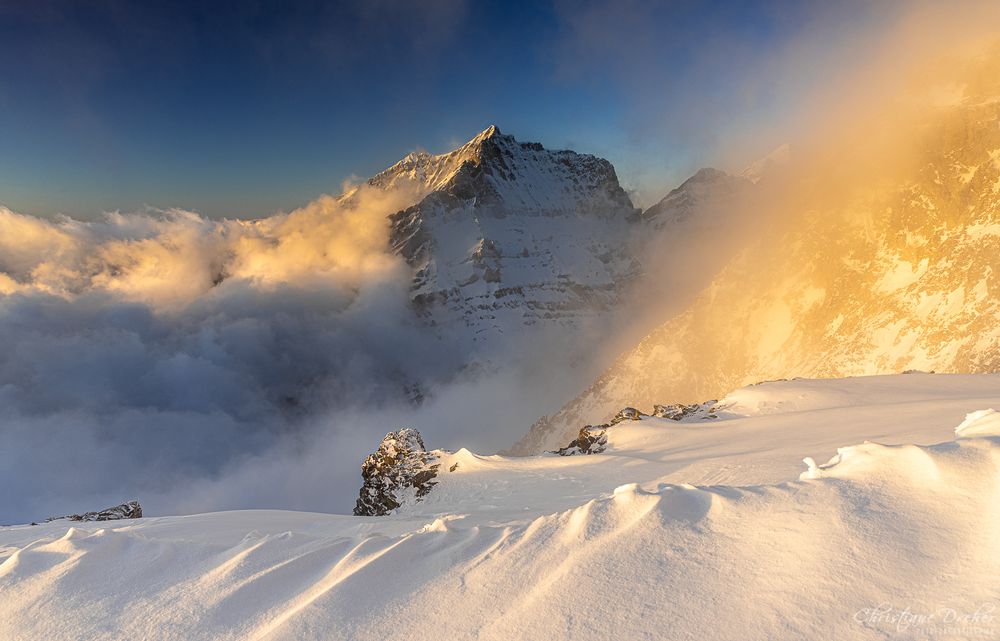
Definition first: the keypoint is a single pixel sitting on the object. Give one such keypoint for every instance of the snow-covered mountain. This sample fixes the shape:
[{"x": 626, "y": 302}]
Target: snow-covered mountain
[
  {"x": 708, "y": 190},
  {"x": 508, "y": 234},
  {"x": 662, "y": 535},
  {"x": 898, "y": 269}
]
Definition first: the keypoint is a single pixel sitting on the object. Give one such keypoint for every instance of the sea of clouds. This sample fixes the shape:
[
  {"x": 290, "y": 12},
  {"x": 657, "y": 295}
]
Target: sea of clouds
[{"x": 202, "y": 364}]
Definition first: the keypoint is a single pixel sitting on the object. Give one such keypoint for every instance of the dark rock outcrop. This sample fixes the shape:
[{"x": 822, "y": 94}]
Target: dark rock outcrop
[
  {"x": 627, "y": 414},
  {"x": 127, "y": 510},
  {"x": 678, "y": 411},
  {"x": 401, "y": 466},
  {"x": 593, "y": 439}
]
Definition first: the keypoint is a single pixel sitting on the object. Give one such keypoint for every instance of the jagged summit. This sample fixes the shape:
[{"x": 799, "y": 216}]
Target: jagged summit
[
  {"x": 491, "y": 131},
  {"x": 496, "y": 168},
  {"x": 433, "y": 171}
]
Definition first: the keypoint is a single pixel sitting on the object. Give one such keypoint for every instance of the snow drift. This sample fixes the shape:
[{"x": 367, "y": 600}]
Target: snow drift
[{"x": 883, "y": 541}]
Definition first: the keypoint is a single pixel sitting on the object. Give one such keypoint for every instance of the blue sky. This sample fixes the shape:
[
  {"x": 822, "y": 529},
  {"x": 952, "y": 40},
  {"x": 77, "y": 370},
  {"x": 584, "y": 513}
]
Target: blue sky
[{"x": 245, "y": 108}]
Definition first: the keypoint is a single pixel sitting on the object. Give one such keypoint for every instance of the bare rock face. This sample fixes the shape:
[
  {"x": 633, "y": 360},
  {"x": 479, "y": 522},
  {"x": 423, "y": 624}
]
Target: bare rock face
[
  {"x": 678, "y": 411},
  {"x": 627, "y": 414},
  {"x": 399, "y": 469},
  {"x": 593, "y": 439},
  {"x": 127, "y": 510}
]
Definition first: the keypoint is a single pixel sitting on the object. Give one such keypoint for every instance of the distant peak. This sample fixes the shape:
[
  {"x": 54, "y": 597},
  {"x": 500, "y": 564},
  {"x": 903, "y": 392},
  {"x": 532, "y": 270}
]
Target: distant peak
[{"x": 777, "y": 158}]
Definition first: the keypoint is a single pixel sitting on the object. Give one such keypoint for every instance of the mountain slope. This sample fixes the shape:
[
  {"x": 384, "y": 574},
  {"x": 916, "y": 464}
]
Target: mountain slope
[{"x": 896, "y": 270}]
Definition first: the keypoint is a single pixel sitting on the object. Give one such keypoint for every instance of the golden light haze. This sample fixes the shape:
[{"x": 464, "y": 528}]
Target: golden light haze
[
  {"x": 873, "y": 250},
  {"x": 170, "y": 259}
]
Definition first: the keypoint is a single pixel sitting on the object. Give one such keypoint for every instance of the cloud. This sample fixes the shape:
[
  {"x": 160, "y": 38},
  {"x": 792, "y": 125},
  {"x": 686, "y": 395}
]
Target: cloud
[
  {"x": 144, "y": 349},
  {"x": 203, "y": 364}
]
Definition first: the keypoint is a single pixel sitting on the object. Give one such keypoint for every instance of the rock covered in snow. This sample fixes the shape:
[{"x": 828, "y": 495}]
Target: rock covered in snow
[
  {"x": 766, "y": 166},
  {"x": 399, "y": 469},
  {"x": 593, "y": 439},
  {"x": 619, "y": 529},
  {"x": 127, "y": 510},
  {"x": 628, "y": 414},
  {"x": 679, "y": 411}
]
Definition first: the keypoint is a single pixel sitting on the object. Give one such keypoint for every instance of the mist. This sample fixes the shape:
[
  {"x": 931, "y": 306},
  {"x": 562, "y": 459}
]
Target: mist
[{"x": 201, "y": 364}]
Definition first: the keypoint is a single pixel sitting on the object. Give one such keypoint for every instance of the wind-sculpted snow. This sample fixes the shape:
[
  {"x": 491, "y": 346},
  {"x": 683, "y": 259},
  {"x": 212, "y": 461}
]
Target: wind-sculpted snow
[{"x": 886, "y": 540}]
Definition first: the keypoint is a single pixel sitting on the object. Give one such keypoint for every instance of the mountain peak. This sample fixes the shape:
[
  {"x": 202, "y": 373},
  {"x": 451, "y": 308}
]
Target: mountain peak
[
  {"x": 474, "y": 149},
  {"x": 488, "y": 133},
  {"x": 433, "y": 171}
]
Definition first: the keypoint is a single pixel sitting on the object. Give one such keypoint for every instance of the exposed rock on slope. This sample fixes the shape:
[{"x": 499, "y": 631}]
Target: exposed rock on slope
[
  {"x": 593, "y": 439},
  {"x": 400, "y": 469},
  {"x": 127, "y": 510},
  {"x": 679, "y": 411},
  {"x": 666, "y": 538}
]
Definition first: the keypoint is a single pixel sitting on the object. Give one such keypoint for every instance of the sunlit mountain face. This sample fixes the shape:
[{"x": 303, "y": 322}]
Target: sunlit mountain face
[{"x": 881, "y": 256}]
